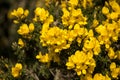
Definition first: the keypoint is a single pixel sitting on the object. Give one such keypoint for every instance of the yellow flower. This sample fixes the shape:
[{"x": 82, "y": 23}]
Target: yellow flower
[
  {"x": 49, "y": 20},
  {"x": 81, "y": 62},
  {"x": 26, "y": 12},
  {"x": 72, "y": 16},
  {"x": 24, "y": 30},
  {"x": 70, "y": 65},
  {"x": 92, "y": 44},
  {"x": 20, "y": 13},
  {"x": 16, "y": 70},
  {"x": 102, "y": 30},
  {"x": 115, "y": 6},
  {"x": 111, "y": 53},
  {"x": 31, "y": 27},
  {"x": 73, "y": 2},
  {"x": 114, "y": 70},
  {"x": 17, "y": 12},
  {"x": 114, "y": 15},
  {"x": 112, "y": 66},
  {"x": 99, "y": 76},
  {"x": 115, "y": 73},
  {"x": 43, "y": 58},
  {"x": 41, "y": 14},
  {"x": 105, "y": 10},
  {"x": 84, "y": 3},
  {"x": 76, "y": 12},
  {"x": 21, "y": 43},
  {"x": 95, "y": 23}
]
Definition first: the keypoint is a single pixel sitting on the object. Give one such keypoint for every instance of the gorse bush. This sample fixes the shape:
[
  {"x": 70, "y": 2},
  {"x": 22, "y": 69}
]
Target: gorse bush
[{"x": 66, "y": 40}]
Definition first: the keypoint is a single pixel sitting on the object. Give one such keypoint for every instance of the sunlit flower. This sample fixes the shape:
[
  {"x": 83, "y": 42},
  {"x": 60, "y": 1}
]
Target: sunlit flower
[
  {"x": 81, "y": 62},
  {"x": 43, "y": 58},
  {"x": 31, "y": 27},
  {"x": 105, "y": 10},
  {"x": 114, "y": 70},
  {"x": 16, "y": 71},
  {"x": 24, "y": 30}
]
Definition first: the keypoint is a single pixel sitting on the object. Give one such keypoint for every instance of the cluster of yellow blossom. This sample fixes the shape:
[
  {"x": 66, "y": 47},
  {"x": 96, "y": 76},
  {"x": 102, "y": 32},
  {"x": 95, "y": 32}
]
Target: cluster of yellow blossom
[
  {"x": 72, "y": 16},
  {"x": 114, "y": 14},
  {"x": 25, "y": 29},
  {"x": 97, "y": 76},
  {"x": 81, "y": 62},
  {"x": 16, "y": 71},
  {"x": 47, "y": 57},
  {"x": 73, "y": 2},
  {"x": 43, "y": 58},
  {"x": 115, "y": 71},
  {"x": 20, "y": 13},
  {"x": 91, "y": 44},
  {"x": 56, "y": 38},
  {"x": 89, "y": 41},
  {"x": 42, "y": 15},
  {"x": 108, "y": 32}
]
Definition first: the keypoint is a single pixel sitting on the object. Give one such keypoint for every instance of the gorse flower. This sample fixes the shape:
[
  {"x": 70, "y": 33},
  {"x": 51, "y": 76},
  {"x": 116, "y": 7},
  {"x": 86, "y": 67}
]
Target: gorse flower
[
  {"x": 25, "y": 29},
  {"x": 20, "y": 13},
  {"x": 16, "y": 71},
  {"x": 41, "y": 14},
  {"x": 43, "y": 58},
  {"x": 73, "y": 2},
  {"x": 72, "y": 16},
  {"x": 105, "y": 10},
  {"x": 115, "y": 71},
  {"x": 81, "y": 37},
  {"x": 99, "y": 76},
  {"x": 92, "y": 45},
  {"x": 31, "y": 27},
  {"x": 81, "y": 62}
]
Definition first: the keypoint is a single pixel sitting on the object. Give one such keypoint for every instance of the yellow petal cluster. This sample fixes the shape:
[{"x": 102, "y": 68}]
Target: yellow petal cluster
[
  {"x": 20, "y": 13},
  {"x": 108, "y": 31},
  {"x": 43, "y": 58},
  {"x": 73, "y": 2},
  {"x": 92, "y": 44},
  {"x": 72, "y": 16},
  {"x": 115, "y": 71},
  {"x": 114, "y": 14},
  {"x": 25, "y": 29},
  {"x": 105, "y": 10},
  {"x": 41, "y": 14},
  {"x": 16, "y": 71},
  {"x": 99, "y": 76},
  {"x": 81, "y": 62},
  {"x": 56, "y": 38},
  {"x": 112, "y": 53}
]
